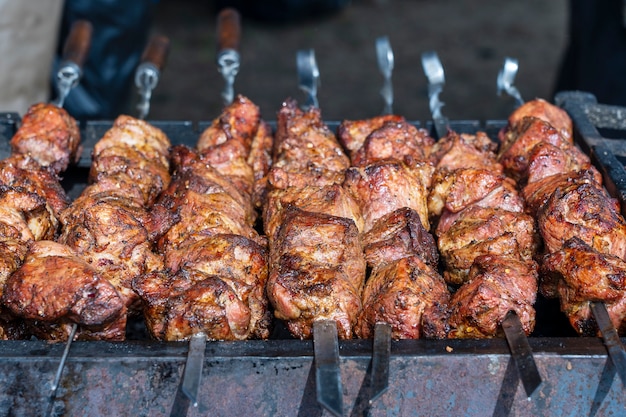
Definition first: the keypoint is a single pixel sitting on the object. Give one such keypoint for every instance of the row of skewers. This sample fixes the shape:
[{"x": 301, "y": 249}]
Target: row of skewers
[{"x": 378, "y": 223}]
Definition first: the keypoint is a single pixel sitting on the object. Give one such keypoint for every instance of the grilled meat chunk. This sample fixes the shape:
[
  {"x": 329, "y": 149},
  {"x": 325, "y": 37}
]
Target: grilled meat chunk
[
  {"x": 409, "y": 295},
  {"x": 545, "y": 111},
  {"x": 217, "y": 286},
  {"x": 579, "y": 274},
  {"x": 495, "y": 285},
  {"x": 397, "y": 235},
  {"x": 54, "y": 288},
  {"x": 466, "y": 151},
  {"x": 260, "y": 159},
  {"x": 582, "y": 208},
  {"x": 330, "y": 199},
  {"x": 385, "y": 186},
  {"x": 317, "y": 271},
  {"x": 352, "y": 133},
  {"x": 394, "y": 140},
  {"x": 49, "y": 135},
  {"x": 482, "y": 231},
  {"x": 306, "y": 152}
]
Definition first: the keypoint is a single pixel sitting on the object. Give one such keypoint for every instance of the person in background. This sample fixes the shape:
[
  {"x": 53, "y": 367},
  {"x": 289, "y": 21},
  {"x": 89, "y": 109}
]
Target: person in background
[
  {"x": 120, "y": 32},
  {"x": 595, "y": 57}
]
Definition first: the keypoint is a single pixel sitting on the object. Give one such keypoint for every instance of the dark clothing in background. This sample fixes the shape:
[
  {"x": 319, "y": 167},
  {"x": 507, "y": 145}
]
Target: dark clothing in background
[
  {"x": 595, "y": 59},
  {"x": 120, "y": 32}
]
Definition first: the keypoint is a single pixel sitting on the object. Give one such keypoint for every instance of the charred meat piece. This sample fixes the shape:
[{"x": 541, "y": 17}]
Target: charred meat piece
[
  {"x": 317, "y": 271},
  {"x": 330, "y": 199},
  {"x": 482, "y": 231},
  {"x": 466, "y": 151},
  {"x": 546, "y": 160},
  {"x": 385, "y": 186},
  {"x": 397, "y": 235},
  {"x": 582, "y": 208},
  {"x": 260, "y": 160},
  {"x": 217, "y": 286},
  {"x": 25, "y": 173},
  {"x": 49, "y": 135},
  {"x": 579, "y": 275},
  {"x": 55, "y": 288},
  {"x": 541, "y": 109},
  {"x": 306, "y": 152},
  {"x": 394, "y": 140},
  {"x": 352, "y": 133},
  {"x": 410, "y": 296},
  {"x": 495, "y": 285}
]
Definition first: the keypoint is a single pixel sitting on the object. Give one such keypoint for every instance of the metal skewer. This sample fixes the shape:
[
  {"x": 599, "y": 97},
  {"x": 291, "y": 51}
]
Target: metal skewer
[
  {"x": 228, "y": 38},
  {"x": 610, "y": 338},
  {"x": 521, "y": 352},
  {"x": 385, "y": 64},
  {"x": 436, "y": 80},
  {"x": 505, "y": 80},
  {"x": 308, "y": 76},
  {"x": 59, "y": 373},
  {"x": 327, "y": 375},
  {"x": 75, "y": 53},
  {"x": 149, "y": 71},
  {"x": 381, "y": 353},
  {"x": 192, "y": 374}
]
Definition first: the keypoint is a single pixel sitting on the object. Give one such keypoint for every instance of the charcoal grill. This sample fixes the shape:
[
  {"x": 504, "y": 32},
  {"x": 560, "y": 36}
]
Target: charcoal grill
[{"x": 276, "y": 378}]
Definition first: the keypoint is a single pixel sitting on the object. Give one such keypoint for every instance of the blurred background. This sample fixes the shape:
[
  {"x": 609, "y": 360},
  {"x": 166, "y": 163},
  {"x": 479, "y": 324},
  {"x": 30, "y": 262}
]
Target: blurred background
[{"x": 471, "y": 37}]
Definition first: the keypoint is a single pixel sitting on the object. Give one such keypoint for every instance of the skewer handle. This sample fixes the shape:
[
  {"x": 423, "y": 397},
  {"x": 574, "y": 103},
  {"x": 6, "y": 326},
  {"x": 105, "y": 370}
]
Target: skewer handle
[
  {"x": 228, "y": 30},
  {"x": 157, "y": 51},
  {"x": 78, "y": 42}
]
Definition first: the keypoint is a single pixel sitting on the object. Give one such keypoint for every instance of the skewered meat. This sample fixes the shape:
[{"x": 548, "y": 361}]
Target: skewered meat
[
  {"x": 482, "y": 231},
  {"x": 385, "y": 186},
  {"x": 215, "y": 271},
  {"x": 409, "y": 295},
  {"x": 547, "y": 112},
  {"x": 260, "y": 159},
  {"x": 466, "y": 151},
  {"x": 495, "y": 285},
  {"x": 317, "y": 271},
  {"x": 217, "y": 287},
  {"x": 49, "y": 135},
  {"x": 579, "y": 275},
  {"x": 55, "y": 288},
  {"x": 397, "y": 235},
  {"x": 306, "y": 152},
  {"x": 582, "y": 208},
  {"x": 352, "y": 133}
]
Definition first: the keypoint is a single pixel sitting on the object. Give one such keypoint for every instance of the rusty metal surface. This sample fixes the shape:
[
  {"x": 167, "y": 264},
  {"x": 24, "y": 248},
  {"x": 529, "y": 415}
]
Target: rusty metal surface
[{"x": 273, "y": 378}]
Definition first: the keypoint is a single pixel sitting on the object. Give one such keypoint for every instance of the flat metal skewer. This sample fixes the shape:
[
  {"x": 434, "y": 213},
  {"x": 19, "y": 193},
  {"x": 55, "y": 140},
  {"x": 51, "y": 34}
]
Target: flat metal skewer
[
  {"x": 228, "y": 39},
  {"x": 75, "y": 51},
  {"x": 59, "y": 373},
  {"x": 149, "y": 71},
  {"x": 505, "y": 80},
  {"x": 308, "y": 77},
  {"x": 192, "y": 374},
  {"x": 436, "y": 80},
  {"x": 521, "y": 352},
  {"x": 327, "y": 375},
  {"x": 385, "y": 64},
  {"x": 610, "y": 338},
  {"x": 381, "y": 354}
]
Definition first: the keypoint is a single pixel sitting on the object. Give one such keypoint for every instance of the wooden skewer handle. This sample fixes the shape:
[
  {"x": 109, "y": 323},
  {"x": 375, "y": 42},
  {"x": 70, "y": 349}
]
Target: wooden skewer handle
[
  {"x": 157, "y": 51},
  {"x": 228, "y": 29},
  {"x": 78, "y": 42}
]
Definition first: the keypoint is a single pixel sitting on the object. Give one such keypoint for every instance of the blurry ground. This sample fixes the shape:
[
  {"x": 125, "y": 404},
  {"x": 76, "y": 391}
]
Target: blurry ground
[{"x": 471, "y": 37}]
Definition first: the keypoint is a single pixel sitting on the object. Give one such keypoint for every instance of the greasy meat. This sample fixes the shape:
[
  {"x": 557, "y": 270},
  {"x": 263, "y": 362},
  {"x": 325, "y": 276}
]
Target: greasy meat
[
  {"x": 352, "y": 133},
  {"x": 401, "y": 141},
  {"x": 496, "y": 285},
  {"x": 482, "y": 231},
  {"x": 317, "y": 271},
  {"x": 397, "y": 235},
  {"x": 409, "y": 295},
  {"x": 55, "y": 288},
  {"x": 49, "y": 135},
  {"x": 217, "y": 286},
  {"x": 466, "y": 151},
  {"x": 260, "y": 160},
  {"x": 305, "y": 152},
  {"x": 545, "y": 111},
  {"x": 579, "y": 275},
  {"x": 583, "y": 209},
  {"x": 385, "y": 186}
]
